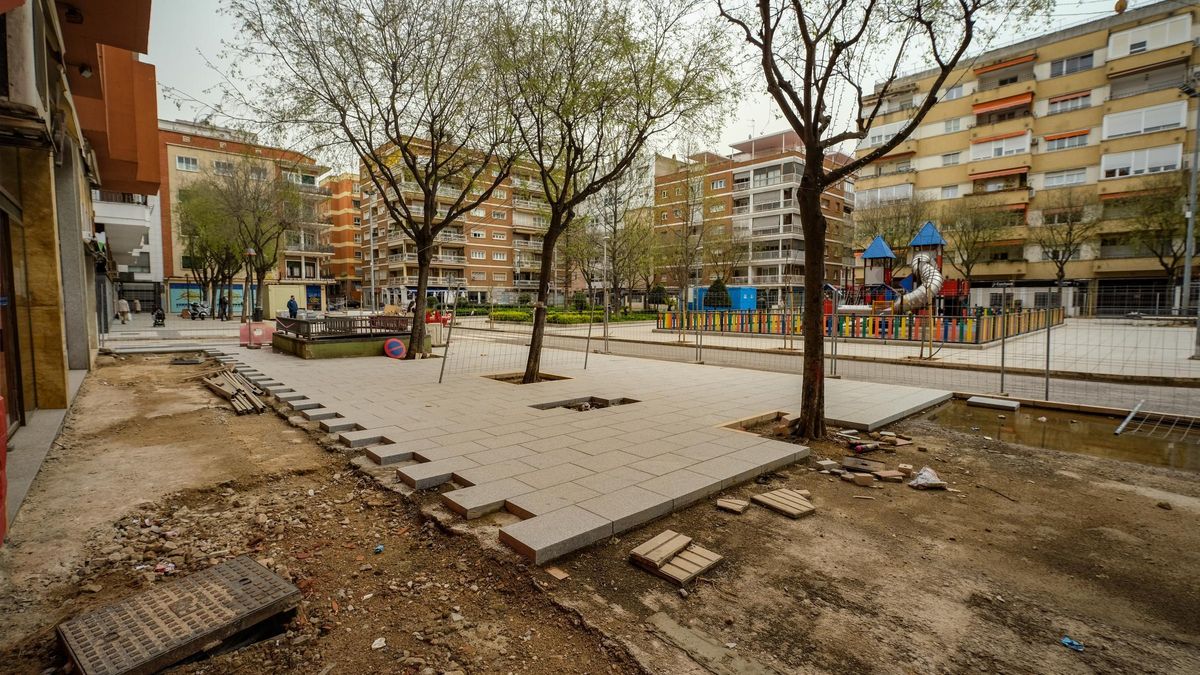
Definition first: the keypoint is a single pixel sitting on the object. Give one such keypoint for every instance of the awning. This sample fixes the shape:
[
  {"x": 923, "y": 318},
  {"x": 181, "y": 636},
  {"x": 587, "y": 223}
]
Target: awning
[
  {"x": 1016, "y": 171},
  {"x": 1067, "y": 97},
  {"x": 1066, "y": 134},
  {"x": 1005, "y": 64},
  {"x": 1003, "y": 103},
  {"x": 999, "y": 137},
  {"x": 1006, "y": 242}
]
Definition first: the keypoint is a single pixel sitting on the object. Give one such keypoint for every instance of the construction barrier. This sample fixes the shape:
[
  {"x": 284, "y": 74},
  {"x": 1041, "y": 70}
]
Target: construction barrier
[{"x": 913, "y": 327}]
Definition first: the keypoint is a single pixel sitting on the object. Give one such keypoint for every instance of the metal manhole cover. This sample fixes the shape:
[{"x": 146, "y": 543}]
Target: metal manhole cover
[{"x": 154, "y": 629}]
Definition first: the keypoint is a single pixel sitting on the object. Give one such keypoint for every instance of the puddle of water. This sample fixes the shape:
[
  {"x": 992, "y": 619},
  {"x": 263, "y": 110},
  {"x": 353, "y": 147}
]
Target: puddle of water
[{"x": 1089, "y": 435}]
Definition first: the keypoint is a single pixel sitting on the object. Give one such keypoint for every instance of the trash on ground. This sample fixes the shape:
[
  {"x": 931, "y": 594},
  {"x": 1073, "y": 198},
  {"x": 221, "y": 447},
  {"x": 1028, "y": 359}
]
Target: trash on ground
[
  {"x": 379, "y": 643},
  {"x": 927, "y": 479},
  {"x": 378, "y": 549},
  {"x": 863, "y": 465},
  {"x": 557, "y": 572},
  {"x": 1071, "y": 644}
]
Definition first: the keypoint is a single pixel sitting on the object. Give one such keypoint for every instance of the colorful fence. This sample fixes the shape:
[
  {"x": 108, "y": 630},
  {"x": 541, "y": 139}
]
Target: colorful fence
[{"x": 951, "y": 329}]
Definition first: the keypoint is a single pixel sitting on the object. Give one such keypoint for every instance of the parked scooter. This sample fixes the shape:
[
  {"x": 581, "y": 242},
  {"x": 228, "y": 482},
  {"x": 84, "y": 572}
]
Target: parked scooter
[
  {"x": 200, "y": 310},
  {"x": 160, "y": 317}
]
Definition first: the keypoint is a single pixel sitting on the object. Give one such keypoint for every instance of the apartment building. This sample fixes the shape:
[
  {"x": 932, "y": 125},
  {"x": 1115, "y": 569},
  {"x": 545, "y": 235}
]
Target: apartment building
[
  {"x": 493, "y": 255},
  {"x": 77, "y": 110},
  {"x": 188, "y": 151},
  {"x": 1094, "y": 109},
  {"x": 343, "y": 212},
  {"x": 748, "y": 198}
]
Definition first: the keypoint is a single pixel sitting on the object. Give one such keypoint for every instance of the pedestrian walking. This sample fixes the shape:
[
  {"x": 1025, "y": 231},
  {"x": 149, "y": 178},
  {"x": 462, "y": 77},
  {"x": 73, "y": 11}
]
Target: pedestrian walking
[
  {"x": 123, "y": 309},
  {"x": 137, "y": 306},
  {"x": 293, "y": 307},
  {"x": 223, "y": 308}
]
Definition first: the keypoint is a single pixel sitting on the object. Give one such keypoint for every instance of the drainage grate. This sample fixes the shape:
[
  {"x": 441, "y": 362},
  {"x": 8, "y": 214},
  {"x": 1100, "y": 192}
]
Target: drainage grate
[
  {"x": 152, "y": 630},
  {"x": 585, "y": 403}
]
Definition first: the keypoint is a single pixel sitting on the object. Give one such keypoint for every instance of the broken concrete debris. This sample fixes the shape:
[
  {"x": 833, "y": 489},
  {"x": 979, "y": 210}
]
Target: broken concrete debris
[
  {"x": 890, "y": 476},
  {"x": 862, "y": 479},
  {"x": 863, "y": 465},
  {"x": 994, "y": 403},
  {"x": 906, "y": 469},
  {"x": 826, "y": 465}
]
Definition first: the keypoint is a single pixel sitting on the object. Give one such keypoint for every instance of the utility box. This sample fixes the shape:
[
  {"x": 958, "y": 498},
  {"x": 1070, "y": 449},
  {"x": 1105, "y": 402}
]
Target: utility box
[{"x": 743, "y": 298}]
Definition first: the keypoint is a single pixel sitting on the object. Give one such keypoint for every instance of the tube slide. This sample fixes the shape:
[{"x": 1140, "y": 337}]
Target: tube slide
[{"x": 929, "y": 281}]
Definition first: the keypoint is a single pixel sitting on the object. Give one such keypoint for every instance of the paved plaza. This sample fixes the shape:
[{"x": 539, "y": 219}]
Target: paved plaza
[{"x": 574, "y": 476}]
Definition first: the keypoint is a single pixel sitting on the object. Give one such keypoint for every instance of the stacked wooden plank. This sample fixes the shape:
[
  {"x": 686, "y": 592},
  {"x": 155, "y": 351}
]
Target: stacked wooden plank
[
  {"x": 673, "y": 556},
  {"x": 791, "y": 503},
  {"x": 242, "y": 394}
]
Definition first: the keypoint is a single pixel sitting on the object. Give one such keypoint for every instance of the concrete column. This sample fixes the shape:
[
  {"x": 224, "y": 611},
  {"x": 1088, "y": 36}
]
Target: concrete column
[
  {"x": 75, "y": 288},
  {"x": 48, "y": 344}
]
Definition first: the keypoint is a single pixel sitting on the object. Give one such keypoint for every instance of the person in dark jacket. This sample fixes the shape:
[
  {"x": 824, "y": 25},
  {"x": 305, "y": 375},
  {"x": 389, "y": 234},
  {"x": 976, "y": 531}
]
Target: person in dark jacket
[{"x": 293, "y": 307}]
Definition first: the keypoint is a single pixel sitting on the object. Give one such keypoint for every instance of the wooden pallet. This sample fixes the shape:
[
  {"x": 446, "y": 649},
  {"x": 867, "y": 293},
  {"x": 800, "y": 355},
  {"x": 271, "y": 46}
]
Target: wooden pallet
[
  {"x": 688, "y": 564},
  {"x": 733, "y": 505},
  {"x": 655, "y": 553},
  {"x": 791, "y": 503}
]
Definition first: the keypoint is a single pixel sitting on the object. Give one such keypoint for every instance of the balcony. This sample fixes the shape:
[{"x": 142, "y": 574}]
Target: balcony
[
  {"x": 526, "y": 264},
  {"x": 777, "y": 256},
  {"x": 773, "y": 206},
  {"x": 1127, "y": 65},
  {"x": 1007, "y": 162},
  {"x": 768, "y": 181},
  {"x": 1022, "y": 123},
  {"x": 1133, "y": 263},
  {"x": 1001, "y": 268},
  {"x": 741, "y": 185},
  {"x": 525, "y": 283},
  {"x": 306, "y": 246},
  {"x": 525, "y": 183},
  {"x": 529, "y": 204},
  {"x": 531, "y": 244},
  {"x": 1006, "y": 197},
  {"x": 450, "y": 236},
  {"x": 448, "y": 281},
  {"x": 1025, "y": 85},
  {"x": 793, "y": 228},
  {"x": 777, "y": 279},
  {"x": 530, "y": 224},
  {"x": 449, "y": 259}
]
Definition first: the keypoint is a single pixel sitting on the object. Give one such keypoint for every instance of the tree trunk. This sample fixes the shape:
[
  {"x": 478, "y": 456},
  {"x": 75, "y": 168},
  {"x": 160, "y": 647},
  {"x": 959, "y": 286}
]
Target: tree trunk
[
  {"x": 424, "y": 260},
  {"x": 812, "y": 395},
  {"x": 261, "y": 283},
  {"x": 533, "y": 364}
]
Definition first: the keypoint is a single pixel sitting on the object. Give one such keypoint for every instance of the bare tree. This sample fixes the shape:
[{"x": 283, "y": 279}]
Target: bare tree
[
  {"x": 813, "y": 57},
  {"x": 404, "y": 85},
  {"x": 727, "y": 250},
  {"x": 971, "y": 228},
  {"x": 619, "y": 215},
  {"x": 1070, "y": 217},
  {"x": 897, "y": 221},
  {"x": 589, "y": 83},
  {"x": 1160, "y": 223}
]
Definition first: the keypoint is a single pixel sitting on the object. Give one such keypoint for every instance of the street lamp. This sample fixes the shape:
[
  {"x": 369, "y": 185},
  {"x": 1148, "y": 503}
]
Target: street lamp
[
  {"x": 1190, "y": 237},
  {"x": 606, "y": 300},
  {"x": 250, "y": 255}
]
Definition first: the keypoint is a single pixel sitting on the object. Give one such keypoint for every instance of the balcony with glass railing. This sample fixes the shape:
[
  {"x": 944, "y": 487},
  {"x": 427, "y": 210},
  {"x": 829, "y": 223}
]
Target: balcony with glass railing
[
  {"x": 530, "y": 244},
  {"x": 529, "y": 204}
]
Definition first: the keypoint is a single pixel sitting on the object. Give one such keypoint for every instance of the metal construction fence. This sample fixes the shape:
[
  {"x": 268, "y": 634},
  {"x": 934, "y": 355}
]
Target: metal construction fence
[{"x": 946, "y": 329}]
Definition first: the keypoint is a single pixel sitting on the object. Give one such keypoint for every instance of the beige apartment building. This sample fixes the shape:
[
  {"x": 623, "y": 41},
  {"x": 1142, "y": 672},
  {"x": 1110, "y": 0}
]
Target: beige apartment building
[
  {"x": 189, "y": 151},
  {"x": 748, "y": 198},
  {"x": 1096, "y": 108},
  {"x": 493, "y": 255}
]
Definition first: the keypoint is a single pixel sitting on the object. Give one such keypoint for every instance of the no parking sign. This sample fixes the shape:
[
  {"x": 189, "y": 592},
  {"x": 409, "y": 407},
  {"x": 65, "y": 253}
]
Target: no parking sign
[{"x": 394, "y": 348}]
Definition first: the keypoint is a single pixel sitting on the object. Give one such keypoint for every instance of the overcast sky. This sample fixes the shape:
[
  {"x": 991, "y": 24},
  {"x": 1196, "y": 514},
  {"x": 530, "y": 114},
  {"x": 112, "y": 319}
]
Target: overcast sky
[{"x": 183, "y": 34}]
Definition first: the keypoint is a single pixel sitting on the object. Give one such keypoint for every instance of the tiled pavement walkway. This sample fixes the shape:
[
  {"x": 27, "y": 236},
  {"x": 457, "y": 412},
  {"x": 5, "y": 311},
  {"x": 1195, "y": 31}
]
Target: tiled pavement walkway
[{"x": 575, "y": 477}]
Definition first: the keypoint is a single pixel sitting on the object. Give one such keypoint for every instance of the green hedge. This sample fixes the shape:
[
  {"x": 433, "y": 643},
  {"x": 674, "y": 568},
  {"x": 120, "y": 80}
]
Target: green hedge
[{"x": 557, "y": 316}]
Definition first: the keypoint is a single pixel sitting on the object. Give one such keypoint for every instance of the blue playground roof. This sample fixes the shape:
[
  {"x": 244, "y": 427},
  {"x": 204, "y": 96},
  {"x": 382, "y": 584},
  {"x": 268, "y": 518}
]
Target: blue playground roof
[
  {"x": 878, "y": 249},
  {"x": 928, "y": 236}
]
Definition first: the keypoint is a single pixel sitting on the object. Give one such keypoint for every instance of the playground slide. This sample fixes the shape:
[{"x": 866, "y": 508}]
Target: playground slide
[{"x": 929, "y": 281}]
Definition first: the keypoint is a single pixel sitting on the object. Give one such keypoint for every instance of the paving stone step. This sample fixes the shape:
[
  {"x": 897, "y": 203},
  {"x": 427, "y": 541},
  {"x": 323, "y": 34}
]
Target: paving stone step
[
  {"x": 480, "y": 500},
  {"x": 554, "y": 534},
  {"x": 387, "y": 454},
  {"x": 319, "y": 414},
  {"x": 431, "y": 474},
  {"x": 303, "y": 404},
  {"x": 360, "y": 437},
  {"x": 333, "y": 424},
  {"x": 290, "y": 395}
]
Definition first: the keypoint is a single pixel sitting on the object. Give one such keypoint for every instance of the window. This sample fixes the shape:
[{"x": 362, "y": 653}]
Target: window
[
  {"x": 718, "y": 184},
  {"x": 187, "y": 163},
  {"x": 716, "y": 208},
  {"x": 950, "y": 159},
  {"x": 1077, "y": 141},
  {"x": 1168, "y": 77},
  {"x": 358, "y": 255},
  {"x": 223, "y": 168},
  {"x": 1145, "y": 120},
  {"x": 662, "y": 217},
  {"x": 1071, "y": 102},
  {"x": 478, "y": 276},
  {"x": 678, "y": 190},
  {"x": 662, "y": 193},
  {"x": 478, "y": 234},
  {"x": 478, "y": 255},
  {"x": 1062, "y": 217},
  {"x": 953, "y": 92},
  {"x": 479, "y": 213},
  {"x": 953, "y": 125},
  {"x": 300, "y": 178},
  {"x": 677, "y": 213},
  {"x": 1070, "y": 65},
  {"x": 500, "y": 255},
  {"x": 357, "y": 221},
  {"x": 499, "y": 276},
  {"x": 1000, "y": 147},
  {"x": 357, "y": 203},
  {"x": 499, "y": 236},
  {"x": 1011, "y": 79},
  {"x": 258, "y": 172},
  {"x": 878, "y": 135},
  {"x": 949, "y": 191},
  {"x": 499, "y": 194},
  {"x": 1172, "y": 31},
  {"x": 498, "y": 215},
  {"x": 1143, "y": 161},
  {"x": 884, "y": 195},
  {"x": 1066, "y": 177}
]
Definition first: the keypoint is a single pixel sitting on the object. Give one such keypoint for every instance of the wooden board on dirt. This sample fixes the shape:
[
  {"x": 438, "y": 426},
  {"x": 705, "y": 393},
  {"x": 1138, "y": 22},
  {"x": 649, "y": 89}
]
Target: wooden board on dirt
[
  {"x": 733, "y": 505},
  {"x": 790, "y": 503},
  {"x": 688, "y": 564},
  {"x": 656, "y": 552},
  {"x": 865, "y": 465}
]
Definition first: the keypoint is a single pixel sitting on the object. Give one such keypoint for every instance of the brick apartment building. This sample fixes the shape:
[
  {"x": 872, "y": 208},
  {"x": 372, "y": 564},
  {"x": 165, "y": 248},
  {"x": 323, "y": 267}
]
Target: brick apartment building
[
  {"x": 1096, "y": 107},
  {"x": 342, "y": 211}
]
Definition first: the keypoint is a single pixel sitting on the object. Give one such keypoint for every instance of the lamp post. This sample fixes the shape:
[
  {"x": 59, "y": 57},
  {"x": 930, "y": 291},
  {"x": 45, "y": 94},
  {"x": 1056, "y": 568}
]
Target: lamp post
[
  {"x": 605, "y": 244},
  {"x": 250, "y": 254},
  {"x": 1190, "y": 238}
]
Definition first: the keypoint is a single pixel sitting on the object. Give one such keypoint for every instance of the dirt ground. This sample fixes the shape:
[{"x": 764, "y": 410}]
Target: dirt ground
[{"x": 1030, "y": 546}]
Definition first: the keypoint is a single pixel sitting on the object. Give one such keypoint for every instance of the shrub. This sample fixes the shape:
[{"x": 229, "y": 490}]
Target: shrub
[
  {"x": 524, "y": 299},
  {"x": 717, "y": 295},
  {"x": 657, "y": 295},
  {"x": 511, "y": 315},
  {"x": 580, "y": 301}
]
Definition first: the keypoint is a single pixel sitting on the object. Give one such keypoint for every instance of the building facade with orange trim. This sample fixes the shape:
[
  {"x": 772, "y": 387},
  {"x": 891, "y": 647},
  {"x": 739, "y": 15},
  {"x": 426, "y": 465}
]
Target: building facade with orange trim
[{"x": 1095, "y": 108}]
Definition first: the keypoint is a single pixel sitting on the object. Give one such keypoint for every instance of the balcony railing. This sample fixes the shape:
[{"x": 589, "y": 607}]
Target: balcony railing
[
  {"x": 450, "y": 259},
  {"x": 741, "y": 210},
  {"x": 114, "y": 197},
  {"x": 792, "y": 228},
  {"x": 525, "y": 283},
  {"x": 535, "y": 244},
  {"x": 306, "y": 246},
  {"x": 450, "y": 236},
  {"x": 1145, "y": 90},
  {"x": 777, "y": 256},
  {"x": 775, "y": 205},
  {"x": 768, "y": 181},
  {"x": 529, "y": 204}
]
